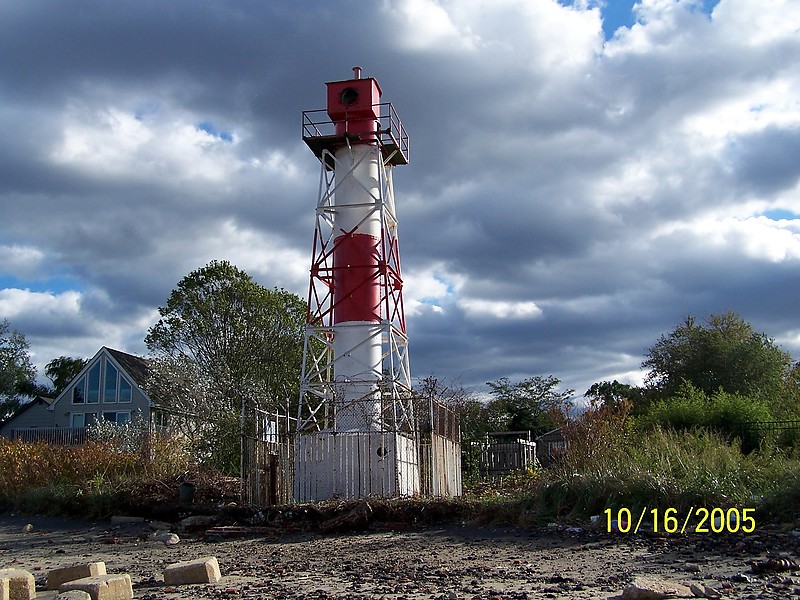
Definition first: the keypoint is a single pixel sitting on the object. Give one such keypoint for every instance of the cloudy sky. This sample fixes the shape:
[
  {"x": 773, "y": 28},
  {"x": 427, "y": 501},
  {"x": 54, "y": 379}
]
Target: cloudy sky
[{"x": 583, "y": 175}]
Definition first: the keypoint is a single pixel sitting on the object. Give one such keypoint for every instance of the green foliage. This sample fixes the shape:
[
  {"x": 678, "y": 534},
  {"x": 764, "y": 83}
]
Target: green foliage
[
  {"x": 17, "y": 373},
  {"x": 609, "y": 393},
  {"x": 662, "y": 469},
  {"x": 223, "y": 341},
  {"x": 533, "y": 404},
  {"x": 62, "y": 370},
  {"x": 726, "y": 353},
  {"x": 721, "y": 411},
  {"x": 219, "y": 447},
  {"x": 244, "y": 340}
]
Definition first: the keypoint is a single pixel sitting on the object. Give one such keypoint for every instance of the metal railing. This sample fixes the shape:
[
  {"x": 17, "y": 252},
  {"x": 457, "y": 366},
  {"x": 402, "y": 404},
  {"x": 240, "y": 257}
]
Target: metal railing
[{"x": 319, "y": 132}]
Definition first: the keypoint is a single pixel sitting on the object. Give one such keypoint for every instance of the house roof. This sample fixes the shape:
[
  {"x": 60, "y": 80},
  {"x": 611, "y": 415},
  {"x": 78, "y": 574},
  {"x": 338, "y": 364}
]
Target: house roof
[{"x": 135, "y": 366}]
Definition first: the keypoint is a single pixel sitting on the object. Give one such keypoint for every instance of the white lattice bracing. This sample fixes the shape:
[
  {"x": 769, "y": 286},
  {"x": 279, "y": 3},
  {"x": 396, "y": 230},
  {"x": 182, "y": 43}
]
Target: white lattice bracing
[{"x": 357, "y": 368}]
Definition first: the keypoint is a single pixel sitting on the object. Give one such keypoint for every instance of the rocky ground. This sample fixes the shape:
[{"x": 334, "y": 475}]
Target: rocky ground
[{"x": 452, "y": 561}]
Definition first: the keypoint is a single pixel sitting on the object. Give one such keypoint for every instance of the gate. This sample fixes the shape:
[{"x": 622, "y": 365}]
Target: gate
[{"x": 266, "y": 471}]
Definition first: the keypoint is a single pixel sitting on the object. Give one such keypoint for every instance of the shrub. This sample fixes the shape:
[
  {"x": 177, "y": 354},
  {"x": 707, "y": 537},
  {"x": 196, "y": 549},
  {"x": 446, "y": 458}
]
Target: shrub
[
  {"x": 662, "y": 469},
  {"x": 723, "y": 412}
]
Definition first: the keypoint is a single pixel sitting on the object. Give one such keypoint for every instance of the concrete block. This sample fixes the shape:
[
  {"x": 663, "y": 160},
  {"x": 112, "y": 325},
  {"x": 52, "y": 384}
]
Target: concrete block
[
  {"x": 58, "y": 576},
  {"x": 4, "y": 588},
  {"x": 102, "y": 587},
  {"x": 21, "y": 584},
  {"x": 74, "y": 595},
  {"x": 201, "y": 570}
]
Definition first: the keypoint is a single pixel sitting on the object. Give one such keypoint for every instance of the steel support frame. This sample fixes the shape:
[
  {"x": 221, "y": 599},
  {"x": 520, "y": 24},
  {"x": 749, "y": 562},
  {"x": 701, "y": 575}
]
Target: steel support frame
[{"x": 318, "y": 382}]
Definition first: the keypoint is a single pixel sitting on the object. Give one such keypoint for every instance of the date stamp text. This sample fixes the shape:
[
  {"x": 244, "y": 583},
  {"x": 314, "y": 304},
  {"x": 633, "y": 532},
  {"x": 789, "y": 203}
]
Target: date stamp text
[{"x": 670, "y": 520}]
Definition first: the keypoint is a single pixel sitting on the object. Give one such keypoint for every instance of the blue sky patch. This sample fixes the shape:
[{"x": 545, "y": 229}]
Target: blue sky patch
[
  {"x": 619, "y": 13},
  {"x": 209, "y": 128},
  {"x": 780, "y": 214},
  {"x": 54, "y": 285}
]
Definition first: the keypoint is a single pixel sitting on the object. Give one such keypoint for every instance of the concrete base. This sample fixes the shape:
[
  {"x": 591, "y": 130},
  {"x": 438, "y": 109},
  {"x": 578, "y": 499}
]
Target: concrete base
[{"x": 354, "y": 464}]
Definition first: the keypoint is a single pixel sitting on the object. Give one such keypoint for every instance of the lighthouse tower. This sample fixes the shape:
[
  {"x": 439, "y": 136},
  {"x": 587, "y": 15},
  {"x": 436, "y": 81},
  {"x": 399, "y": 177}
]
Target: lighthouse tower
[{"x": 356, "y": 434}]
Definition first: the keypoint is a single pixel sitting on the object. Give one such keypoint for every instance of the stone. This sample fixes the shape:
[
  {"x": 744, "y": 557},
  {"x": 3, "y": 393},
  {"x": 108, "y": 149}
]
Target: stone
[
  {"x": 646, "y": 587},
  {"x": 165, "y": 537},
  {"x": 74, "y": 595},
  {"x": 126, "y": 520},
  {"x": 201, "y": 570},
  {"x": 58, "y": 576},
  {"x": 197, "y": 523},
  {"x": 102, "y": 587},
  {"x": 21, "y": 584},
  {"x": 704, "y": 591}
]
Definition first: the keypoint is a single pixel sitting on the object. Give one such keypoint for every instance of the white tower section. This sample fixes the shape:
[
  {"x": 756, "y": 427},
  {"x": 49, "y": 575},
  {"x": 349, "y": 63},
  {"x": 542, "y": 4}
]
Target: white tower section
[{"x": 356, "y": 433}]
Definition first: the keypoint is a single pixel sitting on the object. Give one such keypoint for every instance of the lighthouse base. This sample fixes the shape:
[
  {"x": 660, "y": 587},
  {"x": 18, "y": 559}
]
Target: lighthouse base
[{"x": 354, "y": 464}]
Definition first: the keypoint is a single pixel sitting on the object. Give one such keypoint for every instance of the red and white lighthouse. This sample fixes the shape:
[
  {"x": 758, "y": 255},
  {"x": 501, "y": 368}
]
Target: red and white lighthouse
[{"x": 356, "y": 434}]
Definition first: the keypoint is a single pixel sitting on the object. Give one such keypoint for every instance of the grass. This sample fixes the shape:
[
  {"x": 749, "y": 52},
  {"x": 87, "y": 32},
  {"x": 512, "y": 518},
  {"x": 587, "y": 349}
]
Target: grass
[
  {"x": 609, "y": 464},
  {"x": 92, "y": 480}
]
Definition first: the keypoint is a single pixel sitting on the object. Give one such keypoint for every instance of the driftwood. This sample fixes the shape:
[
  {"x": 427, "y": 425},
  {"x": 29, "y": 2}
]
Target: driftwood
[{"x": 357, "y": 519}]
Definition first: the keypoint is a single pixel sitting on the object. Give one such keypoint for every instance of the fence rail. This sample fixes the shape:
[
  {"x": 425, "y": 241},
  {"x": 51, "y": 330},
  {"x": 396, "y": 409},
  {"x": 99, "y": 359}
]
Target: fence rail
[
  {"x": 771, "y": 426},
  {"x": 57, "y": 436}
]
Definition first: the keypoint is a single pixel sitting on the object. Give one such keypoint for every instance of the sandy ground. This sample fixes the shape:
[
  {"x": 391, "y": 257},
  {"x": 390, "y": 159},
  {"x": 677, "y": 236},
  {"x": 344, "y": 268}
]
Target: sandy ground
[{"x": 446, "y": 562}]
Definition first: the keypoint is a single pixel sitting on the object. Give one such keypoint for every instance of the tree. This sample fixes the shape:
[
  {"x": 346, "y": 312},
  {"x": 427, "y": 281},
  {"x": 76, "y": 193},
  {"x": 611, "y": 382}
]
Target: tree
[
  {"x": 17, "y": 373},
  {"x": 608, "y": 393},
  {"x": 242, "y": 340},
  {"x": 224, "y": 342},
  {"x": 62, "y": 370},
  {"x": 533, "y": 404},
  {"x": 724, "y": 354}
]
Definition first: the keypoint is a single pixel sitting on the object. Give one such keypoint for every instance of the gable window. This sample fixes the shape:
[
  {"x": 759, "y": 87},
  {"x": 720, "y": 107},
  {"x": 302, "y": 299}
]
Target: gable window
[
  {"x": 110, "y": 387},
  {"x": 93, "y": 384},
  {"x": 125, "y": 390},
  {"x": 77, "y": 392}
]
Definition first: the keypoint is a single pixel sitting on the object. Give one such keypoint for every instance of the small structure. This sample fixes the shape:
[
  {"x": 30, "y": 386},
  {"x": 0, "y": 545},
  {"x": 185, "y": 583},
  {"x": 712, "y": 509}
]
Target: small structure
[
  {"x": 507, "y": 451},
  {"x": 31, "y": 415}
]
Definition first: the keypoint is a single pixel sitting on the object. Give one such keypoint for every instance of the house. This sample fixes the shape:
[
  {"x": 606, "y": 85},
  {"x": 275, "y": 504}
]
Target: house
[
  {"x": 30, "y": 415},
  {"x": 109, "y": 387}
]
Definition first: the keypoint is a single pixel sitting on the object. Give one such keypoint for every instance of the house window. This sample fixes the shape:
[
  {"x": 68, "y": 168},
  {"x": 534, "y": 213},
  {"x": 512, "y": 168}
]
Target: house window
[
  {"x": 77, "y": 391},
  {"x": 78, "y": 420},
  {"x": 159, "y": 419},
  {"x": 125, "y": 390},
  {"x": 110, "y": 387},
  {"x": 118, "y": 417},
  {"x": 93, "y": 384}
]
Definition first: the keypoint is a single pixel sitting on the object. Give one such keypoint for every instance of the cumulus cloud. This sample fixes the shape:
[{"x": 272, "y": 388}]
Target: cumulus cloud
[{"x": 570, "y": 196}]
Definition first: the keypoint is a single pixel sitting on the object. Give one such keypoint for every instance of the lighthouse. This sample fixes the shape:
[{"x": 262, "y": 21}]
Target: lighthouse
[{"x": 356, "y": 433}]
